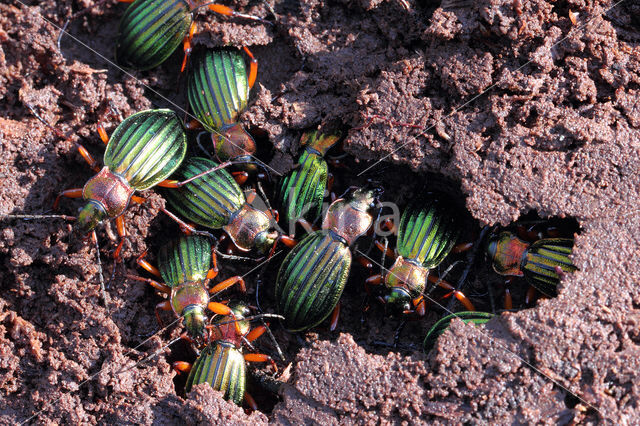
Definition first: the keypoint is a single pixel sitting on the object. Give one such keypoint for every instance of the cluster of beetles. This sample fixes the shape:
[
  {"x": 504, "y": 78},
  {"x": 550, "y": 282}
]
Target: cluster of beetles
[{"x": 149, "y": 148}]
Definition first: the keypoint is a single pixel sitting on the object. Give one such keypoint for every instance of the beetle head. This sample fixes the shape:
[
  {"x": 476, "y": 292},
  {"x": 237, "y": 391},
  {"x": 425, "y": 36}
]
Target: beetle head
[
  {"x": 89, "y": 217},
  {"x": 194, "y": 322},
  {"x": 265, "y": 241},
  {"x": 398, "y": 300}
]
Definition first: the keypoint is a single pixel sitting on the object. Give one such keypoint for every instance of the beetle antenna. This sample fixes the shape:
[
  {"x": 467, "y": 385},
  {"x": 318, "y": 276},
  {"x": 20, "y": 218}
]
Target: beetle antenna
[
  {"x": 263, "y": 195},
  {"x": 235, "y": 14},
  {"x": 396, "y": 336},
  {"x": 54, "y": 129},
  {"x": 62, "y": 31},
  {"x": 470, "y": 261},
  {"x": 103, "y": 290},
  {"x": 251, "y": 318},
  {"x": 259, "y": 309},
  {"x": 233, "y": 256},
  {"x": 200, "y": 144},
  {"x": 151, "y": 356},
  {"x": 36, "y": 216}
]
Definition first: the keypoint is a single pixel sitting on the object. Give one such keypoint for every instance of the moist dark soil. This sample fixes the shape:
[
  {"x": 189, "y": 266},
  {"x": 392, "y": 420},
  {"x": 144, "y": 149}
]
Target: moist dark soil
[{"x": 520, "y": 110}]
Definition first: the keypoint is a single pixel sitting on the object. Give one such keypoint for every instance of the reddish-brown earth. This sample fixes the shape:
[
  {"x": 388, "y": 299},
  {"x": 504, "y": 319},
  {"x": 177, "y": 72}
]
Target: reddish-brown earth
[{"x": 557, "y": 132}]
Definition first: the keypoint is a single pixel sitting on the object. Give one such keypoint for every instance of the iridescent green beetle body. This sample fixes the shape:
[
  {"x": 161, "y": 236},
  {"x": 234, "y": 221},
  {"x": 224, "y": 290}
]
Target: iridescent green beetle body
[
  {"x": 183, "y": 265},
  {"x": 428, "y": 231},
  {"x": 217, "y": 202},
  {"x": 142, "y": 151},
  {"x": 313, "y": 275},
  {"x": 475, "y": 318},
  {"x": 150, "y": 31},
  {"x": 221, "y": 364},
  {"x": 302, "y": 191},
  {"x": 538, "y": 262},
  {"x": 312, "y": 279},
  {"x": 218, "y": 91}
]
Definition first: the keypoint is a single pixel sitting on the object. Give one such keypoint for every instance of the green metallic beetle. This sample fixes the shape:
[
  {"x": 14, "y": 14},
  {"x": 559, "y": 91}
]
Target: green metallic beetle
[
  {"x": 151, "y": 30},
  {"x": 301, "y": 192},
  {"x": 428, "y": 230},
  {"x": 541, "y": 263},
  {"x": 217, "y": 202},
  {"x": 474, "y": 317},
  {"x": 313, "y": 275},
  {"x": 218, "y": 91},
  {"x": 221, "y": 363},
  {"x": 185, "y": 266},
  {"x": 142, "y": 152}
]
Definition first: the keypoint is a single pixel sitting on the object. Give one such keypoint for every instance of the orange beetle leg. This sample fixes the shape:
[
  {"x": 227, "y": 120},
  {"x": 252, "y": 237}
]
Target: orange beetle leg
[
  {"x": 69, "y": 193},
  {"x": 335, "y": 315},
  {"x": 228, "y": 283}
]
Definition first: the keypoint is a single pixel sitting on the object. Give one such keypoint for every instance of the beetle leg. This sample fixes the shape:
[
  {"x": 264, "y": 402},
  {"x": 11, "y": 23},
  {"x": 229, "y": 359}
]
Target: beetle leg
[
  {"x": 167, "y": 183},
  {"x": 334, "y": 317},
  {"x": 184, "y": 226},
  {"x": 219, "y": 308},
  {"x": 213, "y": 272},
  {"x": 260, "y": 358},
  {"x": 255, "y": 333},
  {"x": 181, "y": 367},
  {"x": 250, "y": 401},
  {"x": 193, "y": 125},
  {"x": 462, "y": 247},
  {"x": 330, "y": 181},
  {"x": 153, "y": 283},
  {"x": 288, "y": 241},
  {"x": 88, "y": 158},
  {"x": 103, "y": 134},
  {"x": 420, "y": 306},
  {"x": 162, "y": 306},
  {"x": 531, "y": 295},
  {"x": 306, "y": 226},
  {"x": 366, "y": 263},
  {"x": 253, "y": 67},
  {"x": 273, "y": 214},
  {"x": 146, "y": 265},
  {"x": 386, "y": 250},
  {"x": 374, "y": 280},
  {"x": 187, "y": 45},
  {"x": 228, "y": 283},
  {"x": 222, "y": 309},
  {"x": 83, "y": 151},
  {"x": 69, "y": 193},
  {"x": 458, "y": 294},
  {"x": 122, "y": 233},
  {"x": 240, "y": 177},
  {"x": 227, "y": 11},
  {"x": 508, "y": 301},
  {"x": 251, "y": 196}
]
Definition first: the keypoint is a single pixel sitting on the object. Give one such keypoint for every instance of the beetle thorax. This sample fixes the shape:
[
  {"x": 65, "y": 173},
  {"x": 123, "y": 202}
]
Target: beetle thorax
[
  {"x": 109, "y": 190},
  {"x": 187, "y": 294},
  {"x": 246, "y": 226},
  {"x": 229, "y": 331},
  {"x": 408, "y": 275},
  {"x": 233, "y": 141},
  {"x": 347, "y": 220},
  {"x": 507, "y": 253}
]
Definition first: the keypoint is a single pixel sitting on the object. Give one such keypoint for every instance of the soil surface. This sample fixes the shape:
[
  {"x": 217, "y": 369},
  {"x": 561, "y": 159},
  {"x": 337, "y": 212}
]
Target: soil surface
[{"x": 518, "y": 109}]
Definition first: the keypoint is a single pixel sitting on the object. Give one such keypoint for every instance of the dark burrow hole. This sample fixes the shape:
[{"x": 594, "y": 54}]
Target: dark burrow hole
[
  {"x": 571, "y": 401},
  {"x": 366, "y": 319}
]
